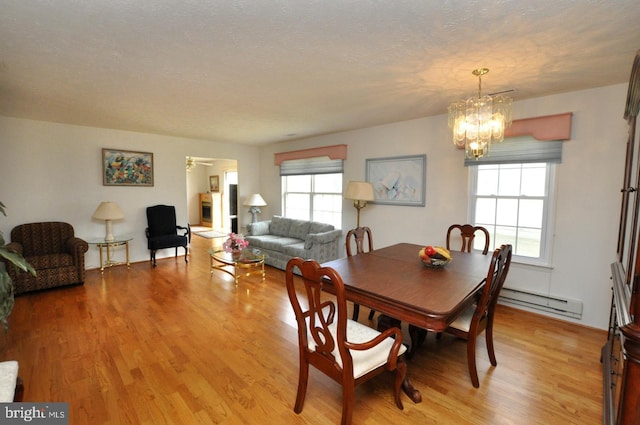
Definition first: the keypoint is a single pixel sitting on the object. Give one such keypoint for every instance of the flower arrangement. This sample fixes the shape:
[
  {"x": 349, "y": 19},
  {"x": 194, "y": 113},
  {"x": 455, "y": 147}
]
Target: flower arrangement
[{"x": 235, "y": 243}]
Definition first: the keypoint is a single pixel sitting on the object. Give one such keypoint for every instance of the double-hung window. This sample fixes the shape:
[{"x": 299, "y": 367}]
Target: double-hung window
[
  {"x": 511, "y": 195},
  {"x": 312, "y": 190}
]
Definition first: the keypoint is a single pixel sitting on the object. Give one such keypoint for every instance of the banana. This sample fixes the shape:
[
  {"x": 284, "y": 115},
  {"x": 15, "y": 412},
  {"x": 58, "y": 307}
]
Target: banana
[{"x": 443, "y": 251}]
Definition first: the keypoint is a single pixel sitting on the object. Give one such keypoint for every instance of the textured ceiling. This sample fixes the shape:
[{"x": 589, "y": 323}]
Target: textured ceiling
[{"x": 261, "y": 71}]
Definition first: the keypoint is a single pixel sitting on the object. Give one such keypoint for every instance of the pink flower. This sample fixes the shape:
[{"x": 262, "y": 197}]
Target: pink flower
[{"x": 236, "y": 242}]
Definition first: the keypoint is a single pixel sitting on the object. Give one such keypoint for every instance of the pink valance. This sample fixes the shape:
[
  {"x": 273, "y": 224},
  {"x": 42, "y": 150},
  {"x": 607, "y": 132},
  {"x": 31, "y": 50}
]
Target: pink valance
[
  {"x": 333, "y": 152},
  {"x": 548, "y": 127}
]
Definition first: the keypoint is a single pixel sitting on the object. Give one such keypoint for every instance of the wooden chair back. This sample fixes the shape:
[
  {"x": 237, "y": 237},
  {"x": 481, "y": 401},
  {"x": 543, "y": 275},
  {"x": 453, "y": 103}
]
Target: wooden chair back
[
  {"x": 468, "y": 234},
  {"x": 322, "y": 335},
  {"x": 358, "y": 235},
  {"x": 474, "y": 321}
]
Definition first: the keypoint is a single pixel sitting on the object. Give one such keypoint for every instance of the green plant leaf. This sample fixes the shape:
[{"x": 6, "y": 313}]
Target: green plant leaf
[{"x": 17, "y": 260}]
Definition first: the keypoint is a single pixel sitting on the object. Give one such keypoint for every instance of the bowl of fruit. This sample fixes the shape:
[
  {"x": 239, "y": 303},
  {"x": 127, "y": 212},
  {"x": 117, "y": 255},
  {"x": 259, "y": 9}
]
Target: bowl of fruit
[{"x": 435, "y": 257}]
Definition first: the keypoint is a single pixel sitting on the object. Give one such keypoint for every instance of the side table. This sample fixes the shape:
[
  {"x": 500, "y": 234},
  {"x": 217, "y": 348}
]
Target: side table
[
  {"x": 248, "y": 263},
  {"x": 102, "y": 244}
]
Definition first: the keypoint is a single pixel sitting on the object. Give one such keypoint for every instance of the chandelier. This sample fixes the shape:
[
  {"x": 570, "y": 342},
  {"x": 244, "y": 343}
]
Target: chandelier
[{"x": 479, "y": 121}]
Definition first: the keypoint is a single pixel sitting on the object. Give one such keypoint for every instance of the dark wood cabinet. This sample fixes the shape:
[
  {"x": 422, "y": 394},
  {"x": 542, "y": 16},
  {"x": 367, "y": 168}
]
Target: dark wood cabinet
[{"x": 621, "y": 353}]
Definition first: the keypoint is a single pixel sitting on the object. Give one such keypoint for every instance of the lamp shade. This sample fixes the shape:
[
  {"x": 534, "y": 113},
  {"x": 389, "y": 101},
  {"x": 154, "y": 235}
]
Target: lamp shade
[
  {"x": 108, "y": 211},
  {"x": 255, "y": 200},
  {"x": 359, "y": 191}
]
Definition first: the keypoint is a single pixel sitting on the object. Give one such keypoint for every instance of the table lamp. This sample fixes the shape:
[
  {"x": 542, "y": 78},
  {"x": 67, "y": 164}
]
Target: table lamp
[
  {"x": 254, "y": 201},
  {"x": 360, "y": 192},
  {"x": 108, "y": 211}
]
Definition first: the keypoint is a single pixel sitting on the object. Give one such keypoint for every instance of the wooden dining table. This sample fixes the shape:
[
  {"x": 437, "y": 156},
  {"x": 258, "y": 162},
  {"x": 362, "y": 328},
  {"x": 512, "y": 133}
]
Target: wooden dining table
[{"x": 394, "y": 282}]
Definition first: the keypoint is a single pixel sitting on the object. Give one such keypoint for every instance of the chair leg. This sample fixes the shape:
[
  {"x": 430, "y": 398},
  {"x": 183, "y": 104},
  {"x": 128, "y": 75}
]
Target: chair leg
[
  {"x": 371, "y": 313},
  {"x": 401, "y": 372},
  {"x": 153, "y": 257},
  {"x": 186, "y": 251},
  {"x": 356, "y": 311},
  {"x": 303, "y": 378},
  {"x": 489, "y": 336},
  {"x": 348, "y": 399},
  {"x": 471, "y": 360}
]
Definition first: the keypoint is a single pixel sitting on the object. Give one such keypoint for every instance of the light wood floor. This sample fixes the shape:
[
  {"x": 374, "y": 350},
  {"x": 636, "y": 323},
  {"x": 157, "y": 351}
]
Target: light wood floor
[{"x": 175, "y": 345}]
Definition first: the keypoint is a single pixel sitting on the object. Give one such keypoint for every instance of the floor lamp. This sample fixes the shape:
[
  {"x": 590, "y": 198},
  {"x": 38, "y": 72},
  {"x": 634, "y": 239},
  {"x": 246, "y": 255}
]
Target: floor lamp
[{"x": 360, "y": 193}]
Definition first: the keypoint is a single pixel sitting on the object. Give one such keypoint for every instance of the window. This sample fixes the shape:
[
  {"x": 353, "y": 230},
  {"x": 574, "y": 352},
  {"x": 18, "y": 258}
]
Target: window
[
  {"x": 315, "y": 197},
  {"x": 513, "y": 202}
]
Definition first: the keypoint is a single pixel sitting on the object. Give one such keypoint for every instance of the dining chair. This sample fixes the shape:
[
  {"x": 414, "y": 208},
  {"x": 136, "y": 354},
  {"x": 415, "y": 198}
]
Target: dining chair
[
  {"x": 347, "y": 351},
  {"x": 468, "y": 234},
  {"x": 358, "y": 236},
  {"x": 479, "y": 316}
]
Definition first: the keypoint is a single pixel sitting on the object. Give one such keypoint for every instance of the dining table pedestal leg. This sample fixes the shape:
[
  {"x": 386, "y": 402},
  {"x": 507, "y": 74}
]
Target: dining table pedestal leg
[{"x": 411, "y": 392}]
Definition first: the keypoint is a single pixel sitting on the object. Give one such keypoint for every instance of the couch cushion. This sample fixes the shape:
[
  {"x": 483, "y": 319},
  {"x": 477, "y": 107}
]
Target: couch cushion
[
  {"x": 259, "y": 228},
  {"x": 317, "y": 227},
  {"x": 278, "y": 244},
  {"x": 280, "y": 226},
  {"x": 41, "y": 262},
  {"x": 295, "y": 250},
  {"x": 299, "y": 228}
]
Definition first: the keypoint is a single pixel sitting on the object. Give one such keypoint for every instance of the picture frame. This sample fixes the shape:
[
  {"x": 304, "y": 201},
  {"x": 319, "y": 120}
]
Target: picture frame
[
  {"x": 399, "y": 180},
  {"x": 126, "y": 168},
  {"x": 214, "y": 183}
]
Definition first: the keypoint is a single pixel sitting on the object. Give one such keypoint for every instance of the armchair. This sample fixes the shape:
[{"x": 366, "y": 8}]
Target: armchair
[
  {"x": 162, "y": 231},
  {"x": 53, "y": 251}
]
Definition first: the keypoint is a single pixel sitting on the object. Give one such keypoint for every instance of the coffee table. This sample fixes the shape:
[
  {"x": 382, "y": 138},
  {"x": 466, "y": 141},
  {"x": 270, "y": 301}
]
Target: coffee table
[{"x": 250, "y": 261}]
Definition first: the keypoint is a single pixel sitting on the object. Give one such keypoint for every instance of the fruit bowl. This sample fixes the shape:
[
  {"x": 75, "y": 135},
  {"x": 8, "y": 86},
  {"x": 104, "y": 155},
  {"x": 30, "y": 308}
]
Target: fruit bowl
[
  {"x": 434, "y": 257},
  {"x": 435, "y": 263}
]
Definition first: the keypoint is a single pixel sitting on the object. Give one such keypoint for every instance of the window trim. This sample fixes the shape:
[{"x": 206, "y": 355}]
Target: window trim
[{"x": 548, "y": 222}]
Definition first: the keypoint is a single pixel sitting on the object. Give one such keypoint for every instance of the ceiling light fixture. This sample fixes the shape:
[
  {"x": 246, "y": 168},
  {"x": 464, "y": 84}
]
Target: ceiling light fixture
[
  {"x": 191, "y": 163},
  {"x": 479, "y": 121}
]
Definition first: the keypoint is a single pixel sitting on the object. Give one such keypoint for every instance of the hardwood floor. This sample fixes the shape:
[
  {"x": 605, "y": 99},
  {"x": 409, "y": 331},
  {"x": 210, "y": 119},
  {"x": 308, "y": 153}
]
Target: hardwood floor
[{"x": 175, "y": 345}]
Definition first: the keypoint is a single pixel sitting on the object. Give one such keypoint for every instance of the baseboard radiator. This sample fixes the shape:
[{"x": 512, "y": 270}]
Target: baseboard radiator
[{"x": 557, "y": 305}]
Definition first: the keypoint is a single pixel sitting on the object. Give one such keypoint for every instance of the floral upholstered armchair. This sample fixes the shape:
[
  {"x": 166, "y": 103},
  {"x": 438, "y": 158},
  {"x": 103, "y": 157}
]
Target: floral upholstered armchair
[{"x": 53, "y": 251}]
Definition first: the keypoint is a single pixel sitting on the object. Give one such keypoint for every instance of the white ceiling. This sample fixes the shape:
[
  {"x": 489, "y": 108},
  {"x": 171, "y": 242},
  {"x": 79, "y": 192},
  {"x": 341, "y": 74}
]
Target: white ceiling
[{"x": 261, "y": 71}]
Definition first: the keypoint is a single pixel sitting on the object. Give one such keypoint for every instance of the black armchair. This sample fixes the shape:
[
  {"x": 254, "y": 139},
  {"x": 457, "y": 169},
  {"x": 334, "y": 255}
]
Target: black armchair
[{"x": 162, "y": 231}]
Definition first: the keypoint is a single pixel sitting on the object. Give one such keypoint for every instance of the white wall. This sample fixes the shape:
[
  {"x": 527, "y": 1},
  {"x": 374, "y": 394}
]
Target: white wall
[
  {"x": 588, "y": 195},
  {"x": 52, "y": 172}
]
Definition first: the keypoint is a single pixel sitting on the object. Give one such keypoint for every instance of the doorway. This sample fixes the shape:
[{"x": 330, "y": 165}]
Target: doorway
[{"x": 199, "y": 178}]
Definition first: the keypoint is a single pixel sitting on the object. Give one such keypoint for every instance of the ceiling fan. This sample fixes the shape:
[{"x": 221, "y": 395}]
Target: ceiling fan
[{"x": 191, "y": 163}]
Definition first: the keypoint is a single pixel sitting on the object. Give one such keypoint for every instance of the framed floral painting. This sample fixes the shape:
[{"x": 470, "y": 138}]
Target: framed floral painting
[{"x": 126, "y": 168}]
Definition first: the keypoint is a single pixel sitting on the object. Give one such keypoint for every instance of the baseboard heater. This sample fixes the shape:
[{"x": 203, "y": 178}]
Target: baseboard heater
[{"x": 557, "y": 305}]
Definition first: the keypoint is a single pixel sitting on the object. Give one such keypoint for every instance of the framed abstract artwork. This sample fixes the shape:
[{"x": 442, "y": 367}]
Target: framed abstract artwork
[
  {"x": 399, "y": 180},
  {"x": 126, "y": 168}
]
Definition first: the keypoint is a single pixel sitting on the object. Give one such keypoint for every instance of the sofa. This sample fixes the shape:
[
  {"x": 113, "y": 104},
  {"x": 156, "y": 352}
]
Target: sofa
[
  {"x": 281, "y": 239},
  {"x": 53, "y": 251}
]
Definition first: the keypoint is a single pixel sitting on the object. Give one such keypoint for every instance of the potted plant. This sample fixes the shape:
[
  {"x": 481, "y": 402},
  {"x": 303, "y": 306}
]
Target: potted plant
[{"x": 6, "y": 285}]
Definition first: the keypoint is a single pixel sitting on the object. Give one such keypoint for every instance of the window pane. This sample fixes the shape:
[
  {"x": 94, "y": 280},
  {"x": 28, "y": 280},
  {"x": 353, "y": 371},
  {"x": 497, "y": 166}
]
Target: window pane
[
  {"x": 534, "y": 180},
  {"x": 487, "y": 180},
  {"x": 505, "y": 235},
  {"x": 507, "y": 213},
  {"x": 298, "y": 183},
  {"x": 531, "y": 213},
  {"x": 485, "y": 211},
  {"x": 297, "y": 206},
  {"x": 528, "y": 243},
  {"x": 328, "y": 183},
  {"x": 509, "y": 182}
]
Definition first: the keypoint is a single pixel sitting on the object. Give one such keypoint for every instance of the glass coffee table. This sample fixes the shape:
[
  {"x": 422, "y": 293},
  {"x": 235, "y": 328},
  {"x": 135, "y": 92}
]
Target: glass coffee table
[{"x": 250, "y": 261}]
